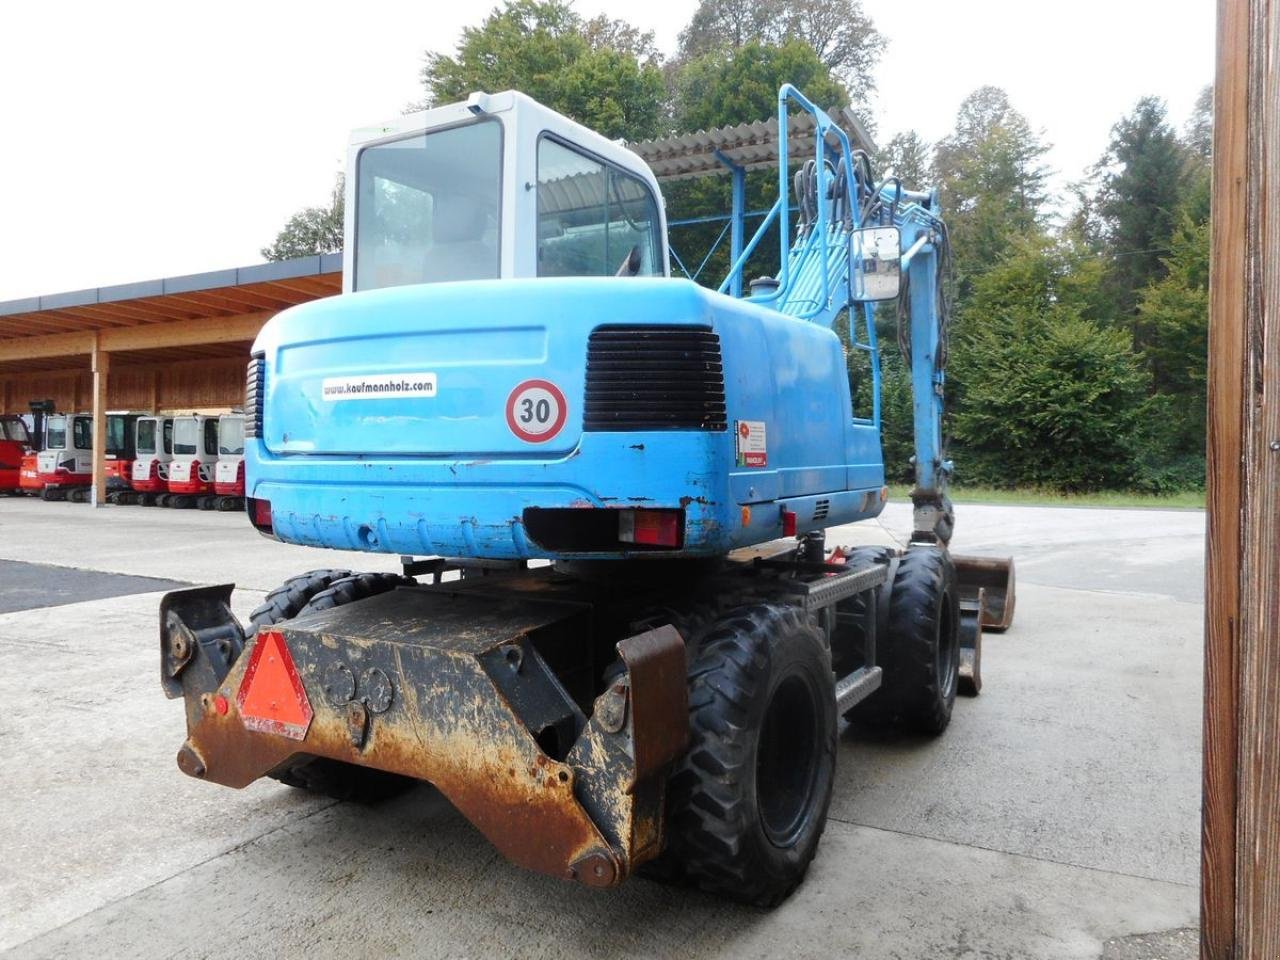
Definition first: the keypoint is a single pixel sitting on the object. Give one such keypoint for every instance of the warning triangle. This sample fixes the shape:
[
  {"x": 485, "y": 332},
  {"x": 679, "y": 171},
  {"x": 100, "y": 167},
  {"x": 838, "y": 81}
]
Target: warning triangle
[{"x": 271, "y": 697}]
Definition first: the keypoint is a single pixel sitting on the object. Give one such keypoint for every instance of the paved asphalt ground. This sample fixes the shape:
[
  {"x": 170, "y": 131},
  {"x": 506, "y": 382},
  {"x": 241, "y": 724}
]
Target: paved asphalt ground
[{"x": 1057, "y": 818}]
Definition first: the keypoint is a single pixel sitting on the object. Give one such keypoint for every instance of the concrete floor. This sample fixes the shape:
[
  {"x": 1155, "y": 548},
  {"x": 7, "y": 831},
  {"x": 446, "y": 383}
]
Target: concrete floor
[{"x": 1058, "y": 818}]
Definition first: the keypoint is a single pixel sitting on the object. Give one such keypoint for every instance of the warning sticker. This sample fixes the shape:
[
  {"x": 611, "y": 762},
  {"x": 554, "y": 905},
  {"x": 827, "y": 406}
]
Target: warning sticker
[{"x": 753, "y": 451}]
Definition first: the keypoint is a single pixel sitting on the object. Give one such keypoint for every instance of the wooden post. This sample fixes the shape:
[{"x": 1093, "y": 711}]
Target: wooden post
[
  {"x": 1240, "y": 860},
  {"x": 101, "y": 370}
]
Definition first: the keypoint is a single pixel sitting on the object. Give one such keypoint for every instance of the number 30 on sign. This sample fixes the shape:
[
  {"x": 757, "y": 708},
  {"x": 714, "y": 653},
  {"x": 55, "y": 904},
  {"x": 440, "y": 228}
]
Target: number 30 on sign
[{"x": 536, "y": 410}]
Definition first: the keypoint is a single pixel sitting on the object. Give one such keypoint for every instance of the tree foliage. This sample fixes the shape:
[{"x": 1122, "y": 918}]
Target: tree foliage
[
  {"x": 603, "y": 73},
  {"x": 1051, "y": 397},
  {"x": 906, "y": 155},
  {"x": 741, "y": 84},
  {"x": 992, "y": 177},
  {"x": 311, "y": 230},
  {"x": 1143, "y": 178},
  {"x": 1077, "y": 350},
  {"x": 839, "y": 32}
]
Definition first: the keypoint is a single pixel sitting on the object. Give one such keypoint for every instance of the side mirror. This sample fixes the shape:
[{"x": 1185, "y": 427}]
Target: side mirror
[{"x": 877, "y": 263}]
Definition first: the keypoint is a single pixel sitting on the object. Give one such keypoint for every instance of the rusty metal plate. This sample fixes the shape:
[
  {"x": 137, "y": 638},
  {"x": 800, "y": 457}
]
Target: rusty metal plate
[{"x": 655, "y": 663}]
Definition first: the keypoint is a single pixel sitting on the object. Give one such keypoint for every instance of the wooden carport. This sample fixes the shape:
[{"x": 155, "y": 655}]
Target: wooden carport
[{"x": 172, "y": 344}]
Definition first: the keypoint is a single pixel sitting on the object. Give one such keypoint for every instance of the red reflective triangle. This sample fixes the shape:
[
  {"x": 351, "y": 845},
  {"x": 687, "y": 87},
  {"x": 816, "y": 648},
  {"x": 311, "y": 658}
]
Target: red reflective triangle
[{"x": 271, "y": 697}]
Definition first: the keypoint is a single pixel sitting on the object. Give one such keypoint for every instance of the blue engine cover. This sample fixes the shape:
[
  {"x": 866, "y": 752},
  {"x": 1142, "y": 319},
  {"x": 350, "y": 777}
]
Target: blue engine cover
[{"x": 428, "y": 420}]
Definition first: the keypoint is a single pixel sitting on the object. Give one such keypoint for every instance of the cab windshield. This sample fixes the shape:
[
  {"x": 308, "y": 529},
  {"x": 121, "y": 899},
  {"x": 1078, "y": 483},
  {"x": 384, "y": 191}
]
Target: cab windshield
[
  {"x": 427, "y": 207},
  {"x": 117, "y": 429},
  {"x": 146, "y": 436},
  {"x": 14, "y": 430},
  {"x": 230, "y": 437},
  {"x": 186, "y": 436},
  {"x": 56, "y": 433}
]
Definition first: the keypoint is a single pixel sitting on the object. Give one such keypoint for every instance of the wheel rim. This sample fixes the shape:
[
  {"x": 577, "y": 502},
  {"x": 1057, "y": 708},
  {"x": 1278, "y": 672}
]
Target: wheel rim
[
  {"x": 787, "y": 761},
  {"x": 947, "y": 656}
]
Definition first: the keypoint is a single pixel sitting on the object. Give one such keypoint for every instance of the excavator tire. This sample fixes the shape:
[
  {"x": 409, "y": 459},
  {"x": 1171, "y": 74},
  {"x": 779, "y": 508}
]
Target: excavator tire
[
  {"x": 356, "y": 586},
  {"x": 323, "y": 590},
  {"x": 287, "y": 600},
  {"x": 747, "y": 803},
  {"x": 920, "y": 649}
]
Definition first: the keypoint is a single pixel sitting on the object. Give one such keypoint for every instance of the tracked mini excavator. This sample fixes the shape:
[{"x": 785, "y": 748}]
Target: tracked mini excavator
[{"x": 512, "y": 377}]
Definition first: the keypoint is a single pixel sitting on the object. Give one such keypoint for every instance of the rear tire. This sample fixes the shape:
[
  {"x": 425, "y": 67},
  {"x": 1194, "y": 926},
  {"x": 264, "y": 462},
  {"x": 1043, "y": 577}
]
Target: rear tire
[
  {"x": 747, "y": 804},
  {"x": 324, "y": 590},
  {"x": 920, "y": 653},
  {"x": 287, "y": 600},
  {"x": 356, "y": 586}
]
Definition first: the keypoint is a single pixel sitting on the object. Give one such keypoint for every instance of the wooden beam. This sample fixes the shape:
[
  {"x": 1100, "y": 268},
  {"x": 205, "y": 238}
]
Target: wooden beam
[
  {"x": 101, "y": 370},
  {"x": 51, "y": 345},
  {"x": 1240, "y": 859},
  {"x": 147, "y": 336}
]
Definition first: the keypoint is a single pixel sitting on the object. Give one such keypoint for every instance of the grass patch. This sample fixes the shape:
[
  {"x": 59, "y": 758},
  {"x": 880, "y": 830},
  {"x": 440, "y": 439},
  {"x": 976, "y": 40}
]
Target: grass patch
[{"x": 1189, "y": 499}]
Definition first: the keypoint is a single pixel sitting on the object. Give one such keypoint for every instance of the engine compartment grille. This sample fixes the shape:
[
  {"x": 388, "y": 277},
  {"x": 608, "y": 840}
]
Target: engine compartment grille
[
  {"x": 654, "y": 378},
  {"x": 253, "y": 396}
]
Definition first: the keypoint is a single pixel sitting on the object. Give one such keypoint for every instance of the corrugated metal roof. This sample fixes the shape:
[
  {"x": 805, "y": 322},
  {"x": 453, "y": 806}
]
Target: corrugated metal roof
[{"x": 749, "y": 145}]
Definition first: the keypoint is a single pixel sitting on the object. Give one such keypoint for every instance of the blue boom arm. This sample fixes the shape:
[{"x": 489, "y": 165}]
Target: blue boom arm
[{"x": 822, "y": 269}]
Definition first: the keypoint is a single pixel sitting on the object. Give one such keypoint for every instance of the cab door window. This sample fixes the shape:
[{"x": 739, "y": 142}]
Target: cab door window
[{"x": 592, "y": 216}]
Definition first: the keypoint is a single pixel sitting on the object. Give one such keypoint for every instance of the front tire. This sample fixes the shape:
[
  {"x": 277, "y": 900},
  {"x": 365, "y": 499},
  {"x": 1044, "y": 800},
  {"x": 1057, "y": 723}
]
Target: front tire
[
  {"x": 748, "y": 802},
  {"x": 921, "y": 653}
]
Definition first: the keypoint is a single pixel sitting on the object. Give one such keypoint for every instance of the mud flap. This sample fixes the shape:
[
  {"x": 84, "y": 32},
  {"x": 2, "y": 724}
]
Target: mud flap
[{"x": 200, "y": 639}]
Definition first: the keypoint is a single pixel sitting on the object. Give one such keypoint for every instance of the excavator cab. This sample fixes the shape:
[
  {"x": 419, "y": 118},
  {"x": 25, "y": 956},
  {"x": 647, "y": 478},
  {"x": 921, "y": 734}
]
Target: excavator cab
[{"x": 498, "y": 187}]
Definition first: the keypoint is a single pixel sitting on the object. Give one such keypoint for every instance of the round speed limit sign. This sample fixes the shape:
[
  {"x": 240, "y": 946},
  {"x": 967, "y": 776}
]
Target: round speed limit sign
[{"x": 536, "y": 410}]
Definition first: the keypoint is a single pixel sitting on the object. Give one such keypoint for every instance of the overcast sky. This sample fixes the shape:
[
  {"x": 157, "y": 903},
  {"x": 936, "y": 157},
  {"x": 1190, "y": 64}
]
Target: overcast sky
[{"x": 144, "y": 140}]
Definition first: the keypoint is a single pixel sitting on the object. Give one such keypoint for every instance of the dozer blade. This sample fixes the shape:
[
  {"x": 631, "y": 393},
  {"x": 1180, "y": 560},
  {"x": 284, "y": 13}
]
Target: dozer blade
[{"x": 994, "y": 577}]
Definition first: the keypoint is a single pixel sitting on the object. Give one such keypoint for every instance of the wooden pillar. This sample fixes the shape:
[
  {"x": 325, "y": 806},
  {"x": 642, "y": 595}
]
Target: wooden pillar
[
  {"x": 1240, "y": 860},
  {"x": 101, "y": 360}
]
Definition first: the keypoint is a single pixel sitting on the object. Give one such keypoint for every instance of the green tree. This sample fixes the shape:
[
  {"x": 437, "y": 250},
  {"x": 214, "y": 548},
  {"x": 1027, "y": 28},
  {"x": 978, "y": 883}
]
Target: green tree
[
  {"x": 839, "y": 32},
  {"x": 906, "y": 155},
  {"x": 312, "y": 230},
  {"x": 604, "y": 74},
  {"x": 1050, "y": 397},
  {"x": 732, "y": 86},
  {"x": 741, "y": 85},
  {"x": 1143, "y": 179},
  {"x": 1198, "y": 134},
  {"x": 1174, "y": 315},
  {"x": 992, "y": 179}
]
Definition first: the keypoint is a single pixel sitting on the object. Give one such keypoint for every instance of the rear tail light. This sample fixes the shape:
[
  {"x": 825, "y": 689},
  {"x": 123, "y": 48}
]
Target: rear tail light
[
  {"x": 655, "y": 528},
  {"x": 260, "y": 515}
]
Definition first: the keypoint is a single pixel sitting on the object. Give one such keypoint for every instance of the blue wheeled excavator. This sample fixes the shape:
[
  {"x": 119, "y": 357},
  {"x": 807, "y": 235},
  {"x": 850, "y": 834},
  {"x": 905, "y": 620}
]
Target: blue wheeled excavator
[{"x": 618, "y": 637}]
